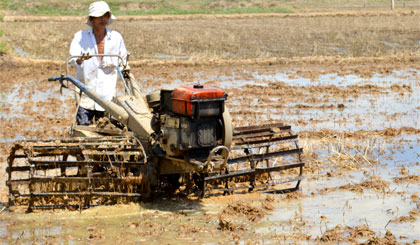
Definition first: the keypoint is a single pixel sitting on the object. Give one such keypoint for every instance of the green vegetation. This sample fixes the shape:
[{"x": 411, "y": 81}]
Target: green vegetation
[
  {"x": 140, "y": 7},
  {"x": 133, "y": 7},
  {"x": 3, "y": 48},
  {"x": 3, "y": 45},
  {"x": 4, "y": 4}
]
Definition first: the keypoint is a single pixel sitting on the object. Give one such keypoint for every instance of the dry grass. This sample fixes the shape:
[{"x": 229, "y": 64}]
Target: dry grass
[
  {"x": 232, "y": 38},
  {"x": 341, "y": 149},
  {"x": 342, "y": 152}
]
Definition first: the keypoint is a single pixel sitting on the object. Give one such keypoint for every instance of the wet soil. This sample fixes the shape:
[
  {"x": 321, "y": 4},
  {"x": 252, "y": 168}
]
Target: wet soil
[{"x": 358, "y": 122}]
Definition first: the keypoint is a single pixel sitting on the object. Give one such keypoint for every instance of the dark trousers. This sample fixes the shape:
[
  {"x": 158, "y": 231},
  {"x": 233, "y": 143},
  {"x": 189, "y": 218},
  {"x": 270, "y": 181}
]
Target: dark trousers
[{"x": 86, "y": 117}]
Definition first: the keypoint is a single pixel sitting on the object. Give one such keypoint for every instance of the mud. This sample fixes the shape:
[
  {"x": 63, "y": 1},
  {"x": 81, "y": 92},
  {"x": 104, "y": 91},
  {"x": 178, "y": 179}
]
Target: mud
[
  {"x": 356, "y": 235},
  {"x": 358, "y": 124}
]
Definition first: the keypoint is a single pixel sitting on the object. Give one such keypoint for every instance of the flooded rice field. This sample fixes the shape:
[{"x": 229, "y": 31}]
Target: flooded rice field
[
  {"x": 361, "y": 140},
  {"x": 330, "y": 101}
]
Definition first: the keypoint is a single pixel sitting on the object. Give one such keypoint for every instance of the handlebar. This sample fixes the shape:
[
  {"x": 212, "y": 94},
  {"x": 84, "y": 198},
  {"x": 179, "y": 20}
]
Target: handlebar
[
  {"x": 124, "y": 64},
  {"x": 71, "y": 79},
  {"x": 53, "y": 79}
]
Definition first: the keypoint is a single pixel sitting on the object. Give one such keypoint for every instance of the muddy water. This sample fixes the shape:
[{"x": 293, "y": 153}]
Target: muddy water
[
  {"x": 321, "y": 205},
  {"x": 394, "y": 104},
  {"x": 28, "y": 102},
  {"x": 336, "y": 191},
  {"x": 370, "y": 207},
  {"x": 343, "y": 112},
  {"x": 391, "y": 103}
]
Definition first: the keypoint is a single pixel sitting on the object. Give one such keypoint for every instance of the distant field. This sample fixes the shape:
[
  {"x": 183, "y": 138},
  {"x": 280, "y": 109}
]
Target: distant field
[
  {"x": 345, "y": 74},
  {"x": 69, "y": 7},
  {"x": 232, "y": 37},
  {"x": 176, "y": 31}
]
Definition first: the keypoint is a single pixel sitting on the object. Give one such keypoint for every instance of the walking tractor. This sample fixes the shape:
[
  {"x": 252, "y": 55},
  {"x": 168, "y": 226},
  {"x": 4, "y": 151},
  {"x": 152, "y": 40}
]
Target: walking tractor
[{"x": 176, "y": 142}]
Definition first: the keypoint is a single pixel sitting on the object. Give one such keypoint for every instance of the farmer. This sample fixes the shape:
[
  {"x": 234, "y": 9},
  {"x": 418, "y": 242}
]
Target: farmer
[{"x": 97, "y": 73}]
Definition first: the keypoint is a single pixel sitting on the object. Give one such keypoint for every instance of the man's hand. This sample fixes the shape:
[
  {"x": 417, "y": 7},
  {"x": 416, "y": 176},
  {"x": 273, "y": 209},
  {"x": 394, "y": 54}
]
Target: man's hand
[{"x": 84, "y": 57}]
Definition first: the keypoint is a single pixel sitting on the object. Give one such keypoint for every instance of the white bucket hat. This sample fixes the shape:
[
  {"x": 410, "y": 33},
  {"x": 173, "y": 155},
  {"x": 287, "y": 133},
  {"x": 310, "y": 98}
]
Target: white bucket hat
[{"x": 97, "y": 9}]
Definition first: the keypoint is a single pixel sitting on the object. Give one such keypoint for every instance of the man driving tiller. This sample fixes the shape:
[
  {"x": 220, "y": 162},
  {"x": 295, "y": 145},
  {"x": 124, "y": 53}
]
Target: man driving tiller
[{"x": 97, "y": 73}]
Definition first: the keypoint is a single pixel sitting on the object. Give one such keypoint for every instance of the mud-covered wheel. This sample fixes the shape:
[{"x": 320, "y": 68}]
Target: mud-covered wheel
[
  {"x": 170, "y": 183},
  {"x": 76, "y": 172},
  {"x": 263, "y": 157}
]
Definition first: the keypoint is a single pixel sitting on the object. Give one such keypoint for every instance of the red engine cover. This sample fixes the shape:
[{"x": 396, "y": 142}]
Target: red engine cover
[{"x": 185, "y": 97}]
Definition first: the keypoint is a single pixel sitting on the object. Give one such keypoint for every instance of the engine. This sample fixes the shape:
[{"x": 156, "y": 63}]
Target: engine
[{"x": 188, "y": 121}]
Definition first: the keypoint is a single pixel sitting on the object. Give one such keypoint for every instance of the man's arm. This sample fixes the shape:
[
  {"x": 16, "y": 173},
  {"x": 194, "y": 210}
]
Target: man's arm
[{"x": 76, "y": 48}]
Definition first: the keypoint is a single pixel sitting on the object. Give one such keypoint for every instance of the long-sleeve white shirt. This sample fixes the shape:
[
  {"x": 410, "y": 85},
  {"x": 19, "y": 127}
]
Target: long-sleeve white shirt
[{"x": 98, "y": 76}]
